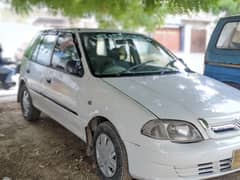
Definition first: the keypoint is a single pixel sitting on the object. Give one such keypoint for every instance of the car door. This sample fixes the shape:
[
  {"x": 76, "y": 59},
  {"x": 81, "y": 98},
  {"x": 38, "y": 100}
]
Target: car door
[
  {"x": 38, "y": 65},
  {"x": 29, "y": 65},
  {"x": 65, "y": 84},
  {"x": 222, "y": 58}
]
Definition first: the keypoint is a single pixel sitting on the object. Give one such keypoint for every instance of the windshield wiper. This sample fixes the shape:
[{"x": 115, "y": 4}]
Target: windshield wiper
[
  {"x": 187, "y": 69},
  {"x": 134, "y": 67},
  {"x": 167, "y": 70},
  {"x": 171, "y": 63}
]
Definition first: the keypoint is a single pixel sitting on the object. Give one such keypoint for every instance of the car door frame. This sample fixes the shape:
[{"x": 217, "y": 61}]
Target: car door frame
[
  {"x": 35, "y": 72},
  {"x": 212, "y": 47},
  {"x": 66, "y": 114},
  {"x": 216, "y": 59}
]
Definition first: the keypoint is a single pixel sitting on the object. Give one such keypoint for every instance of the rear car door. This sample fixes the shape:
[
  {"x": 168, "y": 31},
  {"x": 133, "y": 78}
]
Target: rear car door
[
  {"x": 222, "y": 58},
  {"x": 37, "y": 67}
]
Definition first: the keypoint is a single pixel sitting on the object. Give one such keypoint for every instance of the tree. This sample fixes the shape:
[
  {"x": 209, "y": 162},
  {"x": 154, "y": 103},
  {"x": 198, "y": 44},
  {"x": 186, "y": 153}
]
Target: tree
[
  {"x": 230, "y": 7},
  {"x": 118, "y": 13}
]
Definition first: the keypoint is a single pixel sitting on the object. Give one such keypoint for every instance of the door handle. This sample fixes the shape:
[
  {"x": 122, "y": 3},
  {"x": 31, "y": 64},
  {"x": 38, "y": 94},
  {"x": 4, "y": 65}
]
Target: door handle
[{"x": 48, "y": 80}]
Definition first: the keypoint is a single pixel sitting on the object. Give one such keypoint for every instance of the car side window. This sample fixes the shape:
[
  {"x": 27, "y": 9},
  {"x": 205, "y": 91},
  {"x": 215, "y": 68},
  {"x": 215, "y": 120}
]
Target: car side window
[
  {"x": 35, "y": 48},
  {"x": 230, "y": 36},
  {"x": 45, "y": 49},
  {"x": 65, "y": 55},
  {"x": 30, "y": 49}
]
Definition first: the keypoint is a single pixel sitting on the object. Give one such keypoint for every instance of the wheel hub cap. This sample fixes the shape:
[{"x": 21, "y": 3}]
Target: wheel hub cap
[
  {"x": 106, "y": 155},
  {"x": 26, "y": 103}
]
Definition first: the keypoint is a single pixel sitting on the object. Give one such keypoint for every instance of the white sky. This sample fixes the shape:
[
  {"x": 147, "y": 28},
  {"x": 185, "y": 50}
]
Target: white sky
[{"x": 14, "y": 35}]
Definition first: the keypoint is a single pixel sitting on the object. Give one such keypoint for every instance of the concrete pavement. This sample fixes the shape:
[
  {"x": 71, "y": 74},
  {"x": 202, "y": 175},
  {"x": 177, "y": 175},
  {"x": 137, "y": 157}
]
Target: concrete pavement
[{"x": 10, "y": 95}]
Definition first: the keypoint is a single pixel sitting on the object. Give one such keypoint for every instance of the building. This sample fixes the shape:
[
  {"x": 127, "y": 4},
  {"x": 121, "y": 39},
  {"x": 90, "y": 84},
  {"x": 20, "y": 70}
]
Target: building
[
  {"x": 187, "y": 36},
  {"x": 186, "y": 33}
]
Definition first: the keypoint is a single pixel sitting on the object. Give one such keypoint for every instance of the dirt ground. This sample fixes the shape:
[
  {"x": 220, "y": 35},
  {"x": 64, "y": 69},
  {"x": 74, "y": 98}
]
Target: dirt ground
[{"x": 44, "y": 150}]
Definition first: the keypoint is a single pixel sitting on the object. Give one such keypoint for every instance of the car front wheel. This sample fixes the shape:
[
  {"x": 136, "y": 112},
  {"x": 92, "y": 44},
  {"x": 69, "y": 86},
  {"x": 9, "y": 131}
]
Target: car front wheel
[{"x": 110, "y": 153}]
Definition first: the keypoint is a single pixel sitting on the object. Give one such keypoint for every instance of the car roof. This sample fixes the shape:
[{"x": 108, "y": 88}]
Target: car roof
[
  {"x": 234, "y": 17},
  {"x": 86, "y": 30}
]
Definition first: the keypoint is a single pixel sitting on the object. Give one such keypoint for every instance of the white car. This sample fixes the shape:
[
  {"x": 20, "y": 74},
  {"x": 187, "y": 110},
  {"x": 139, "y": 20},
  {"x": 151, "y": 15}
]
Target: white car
[{"x": 142, "y": 112}]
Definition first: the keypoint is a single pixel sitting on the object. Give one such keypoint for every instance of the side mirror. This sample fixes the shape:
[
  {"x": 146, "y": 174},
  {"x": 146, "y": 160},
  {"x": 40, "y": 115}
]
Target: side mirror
[{"x": 75, "y": 68}]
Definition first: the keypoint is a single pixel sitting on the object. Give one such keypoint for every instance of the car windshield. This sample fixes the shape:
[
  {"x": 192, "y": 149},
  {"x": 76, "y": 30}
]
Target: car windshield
[{"x": 123, "y": 54}]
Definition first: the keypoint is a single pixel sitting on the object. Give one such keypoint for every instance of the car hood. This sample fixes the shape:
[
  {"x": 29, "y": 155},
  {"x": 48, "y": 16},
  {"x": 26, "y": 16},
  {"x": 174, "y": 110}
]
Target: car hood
[{"x": 181, "y": 96}]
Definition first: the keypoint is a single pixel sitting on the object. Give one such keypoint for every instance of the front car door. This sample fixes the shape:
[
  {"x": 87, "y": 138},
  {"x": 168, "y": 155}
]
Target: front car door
[{"x": 66, "y": 84}]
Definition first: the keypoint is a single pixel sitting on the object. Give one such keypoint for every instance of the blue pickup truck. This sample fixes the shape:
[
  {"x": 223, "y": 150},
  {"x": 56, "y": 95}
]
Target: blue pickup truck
[{"x": 222, "y": 58}]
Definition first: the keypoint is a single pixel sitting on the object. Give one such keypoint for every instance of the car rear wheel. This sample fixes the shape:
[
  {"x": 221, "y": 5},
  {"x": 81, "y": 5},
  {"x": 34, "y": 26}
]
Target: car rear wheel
[
  {"x": 29, "y": 112},
  {"x": 110, "y": 153}
]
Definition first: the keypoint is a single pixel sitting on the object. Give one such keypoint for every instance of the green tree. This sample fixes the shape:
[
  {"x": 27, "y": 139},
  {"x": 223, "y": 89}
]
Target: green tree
[
  {"x": 230, "y": 7},
  {"x": 118, "y": 13}
]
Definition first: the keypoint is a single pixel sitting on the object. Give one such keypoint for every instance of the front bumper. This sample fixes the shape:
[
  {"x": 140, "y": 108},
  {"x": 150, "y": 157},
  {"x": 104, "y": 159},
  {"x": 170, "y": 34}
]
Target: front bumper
[{"x": 153, "y": 159}]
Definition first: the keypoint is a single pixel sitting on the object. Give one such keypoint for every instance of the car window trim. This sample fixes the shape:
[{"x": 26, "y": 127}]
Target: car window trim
[
  {"x": 220, "y": 33},
  {"x": 78, "y": 51},
  {"x": 36, "y": 48},
  {"x": 42, "y": 37},
  {"x": 31, "y": 44},
  {"x": 54, "y": 44},
  {"x": 124, "y": 75}
]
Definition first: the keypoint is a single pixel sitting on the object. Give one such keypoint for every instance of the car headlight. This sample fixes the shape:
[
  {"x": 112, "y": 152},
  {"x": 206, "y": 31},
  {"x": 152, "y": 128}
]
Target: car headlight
[{"x": 173, "y": 130}]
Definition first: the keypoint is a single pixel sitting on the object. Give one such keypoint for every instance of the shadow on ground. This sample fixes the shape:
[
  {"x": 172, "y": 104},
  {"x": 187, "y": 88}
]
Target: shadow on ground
[{"x": 40, "y": 150}]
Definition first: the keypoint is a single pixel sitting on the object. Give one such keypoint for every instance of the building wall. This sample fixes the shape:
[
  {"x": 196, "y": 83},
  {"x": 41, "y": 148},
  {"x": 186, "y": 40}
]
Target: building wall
[
  {"x": 169, "y": 37},
  {"x": 198, "y": 40},
  {"x": 189, "y": 36}
]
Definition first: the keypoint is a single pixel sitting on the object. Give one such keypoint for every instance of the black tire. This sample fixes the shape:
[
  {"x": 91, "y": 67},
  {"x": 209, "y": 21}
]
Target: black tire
[
  {"x": 33, "y": 113},
  {"x": 121, "y": 172}
]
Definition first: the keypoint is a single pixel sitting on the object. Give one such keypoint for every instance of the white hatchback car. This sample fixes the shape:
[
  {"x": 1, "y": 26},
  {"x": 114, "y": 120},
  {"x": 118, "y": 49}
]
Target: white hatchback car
[{"x": 142, "y": 112}]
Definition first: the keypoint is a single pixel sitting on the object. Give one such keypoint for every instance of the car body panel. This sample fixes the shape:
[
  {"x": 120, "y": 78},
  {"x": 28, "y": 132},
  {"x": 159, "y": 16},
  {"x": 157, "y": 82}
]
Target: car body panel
[
  {"x": 169, "y": 161},
  {"x": 68, "y": 92},
  {"x": 183, "y": 94}
]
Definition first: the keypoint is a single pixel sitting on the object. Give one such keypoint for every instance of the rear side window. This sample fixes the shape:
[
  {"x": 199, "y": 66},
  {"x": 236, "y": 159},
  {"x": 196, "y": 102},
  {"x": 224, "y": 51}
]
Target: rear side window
[
  {"x": 230, "y": 36},
  {"x": 44, "y": 52},
  {"x": 35, "y": 48},
  {"x": 32, "y": 46}
]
